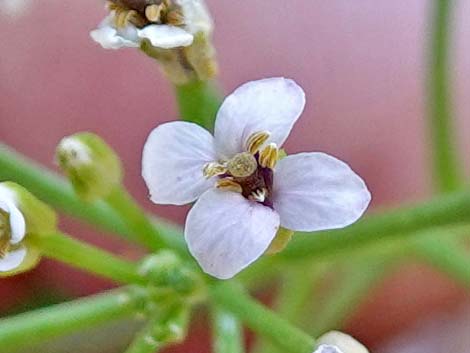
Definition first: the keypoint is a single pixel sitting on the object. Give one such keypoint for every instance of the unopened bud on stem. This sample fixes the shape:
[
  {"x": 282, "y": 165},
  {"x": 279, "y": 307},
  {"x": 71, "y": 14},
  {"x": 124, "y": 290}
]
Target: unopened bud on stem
[{"x": 92, "y": 167}]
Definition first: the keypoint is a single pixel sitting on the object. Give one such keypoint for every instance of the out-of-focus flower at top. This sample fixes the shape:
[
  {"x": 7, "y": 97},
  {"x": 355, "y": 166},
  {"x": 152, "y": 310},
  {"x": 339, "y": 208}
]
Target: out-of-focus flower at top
[
  {"x": 245, "y": 192},
  {"x": 14, "y": 8},
  {"x": 21, "y": 215},
  {"x": 339, "y": 342},
  {"x": 168, "y": 30}
]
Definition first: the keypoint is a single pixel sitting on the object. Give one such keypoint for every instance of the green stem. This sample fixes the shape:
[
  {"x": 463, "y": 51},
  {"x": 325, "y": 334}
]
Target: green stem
[
  {"x": 295, "y": 293},
  {"x": 447, "y": 255},
  {"x": 56, "y": 191},
  {"x": 124, "y": 204},
  {"x": 261, "y": 319},
  {"x": 198, "y": 102},
  {"x": 144, "y": 342},
  {"x": 359, "y": 278},
  {"x": 447, "y": 175},
  {"x": 227, "y": 332},
  {"x": 446, "y": 210},
  {"x": 73, "y": 252},
  {"x": 44, "y": 324}
]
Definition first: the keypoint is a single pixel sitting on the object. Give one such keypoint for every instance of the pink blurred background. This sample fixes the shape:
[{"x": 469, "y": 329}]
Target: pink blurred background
[{"x": 361, "y": 63}]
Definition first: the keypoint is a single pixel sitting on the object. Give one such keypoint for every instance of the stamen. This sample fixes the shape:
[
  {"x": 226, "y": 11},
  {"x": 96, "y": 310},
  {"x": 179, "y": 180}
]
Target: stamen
[
  {"x": 228, "y": 184},
  {"x": 213, "y": 169},
  {"x": 4, "y": 234},
  {"x": 242, "y": 165},
  {"x": 153, "y": 12},
  {"x": 269, "y": 156},
  {"x": 258, "y": 195},
  {"x": 256, "y": 140},
  {"x": 123, "y": 16},
  {"x": 175, "y": 18}
]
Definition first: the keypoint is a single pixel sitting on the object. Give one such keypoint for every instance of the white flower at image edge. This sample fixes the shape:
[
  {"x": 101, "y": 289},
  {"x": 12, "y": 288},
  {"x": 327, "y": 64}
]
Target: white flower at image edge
[
  {"x": 196, "y": 17},
  {"x": 13, "y": 226},
  {"x": 226, "y": 230},
  {"x": 325, "y": 348},
  {"x": 14, "y": 8}
]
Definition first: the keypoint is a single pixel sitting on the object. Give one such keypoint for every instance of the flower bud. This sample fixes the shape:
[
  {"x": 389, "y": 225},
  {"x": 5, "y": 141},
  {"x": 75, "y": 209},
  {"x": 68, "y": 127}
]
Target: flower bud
[
  {"x": 21, "y": 216},
  {"x": 92, "y": 167},
  {"x": 166, "y": 269},
  {"x": 339, "y": 342}
]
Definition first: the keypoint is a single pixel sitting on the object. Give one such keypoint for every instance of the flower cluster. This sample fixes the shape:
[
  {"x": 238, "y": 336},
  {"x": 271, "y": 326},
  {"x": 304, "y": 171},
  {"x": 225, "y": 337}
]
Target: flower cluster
[{"x": 244, "y": 191}]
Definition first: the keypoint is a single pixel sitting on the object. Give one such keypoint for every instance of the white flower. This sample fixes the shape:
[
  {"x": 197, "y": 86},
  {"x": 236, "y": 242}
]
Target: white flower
[
  {"x": 325, "y": 348},
  {"x": 12, "y": 231},
  {"x": 14, "y": 8},
  {"x": 339, "y": 342},
  {"x": 242, "y": 194},
  {"x": 161, "y": 32}
]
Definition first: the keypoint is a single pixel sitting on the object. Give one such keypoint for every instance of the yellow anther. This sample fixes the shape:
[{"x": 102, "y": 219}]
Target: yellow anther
[
  {"x": 175, "y": 18},
  {"x": 269, "y": 156},
  {"x": 112, "y": 6},
  {"x": 256, "y": 140},
  {"x": 228, "y": 184},
  {"x": 120, "y": 18},
  {"x": 213, "y": 169},
  {"x": 153, "y": 12},
  {"x": 242, "y": 165}
]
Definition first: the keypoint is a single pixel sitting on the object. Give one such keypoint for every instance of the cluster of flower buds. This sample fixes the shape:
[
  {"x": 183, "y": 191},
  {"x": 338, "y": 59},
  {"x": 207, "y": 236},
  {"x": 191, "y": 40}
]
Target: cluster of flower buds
[
  {"x": 92, "y": 167},
  {"x": 165, "y": 269},
  {"x": 175, "y": 32},
  {"x": 22, "y": 218}
]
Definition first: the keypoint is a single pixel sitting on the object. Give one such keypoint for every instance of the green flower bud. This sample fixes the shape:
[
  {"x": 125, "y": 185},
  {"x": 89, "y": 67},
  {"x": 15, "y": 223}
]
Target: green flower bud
[
  {"x": 166, "y": 269},
  {"x": 22, "y": 217},
  {"x": 92, "y": 167}
]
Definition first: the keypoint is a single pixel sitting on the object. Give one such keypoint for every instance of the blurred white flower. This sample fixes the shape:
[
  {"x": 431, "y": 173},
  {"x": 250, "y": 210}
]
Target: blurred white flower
[
  {"x": 244, "y": 194},
  {"x": 339, "y": 342},
  {"x": 12, "y": 231},
  {"x": 168, "y": 24},
  {"x": 324, "y": 348},
  {"x": 14, "y": 8}
]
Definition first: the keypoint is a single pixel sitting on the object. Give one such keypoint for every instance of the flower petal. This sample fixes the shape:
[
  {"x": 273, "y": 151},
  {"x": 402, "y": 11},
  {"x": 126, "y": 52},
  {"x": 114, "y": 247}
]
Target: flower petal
[
  {"x": 226, "y": 232},
  {"x": 173, "y": 158},
  {"x": 12, "y": 260},
  {"x": 324, "y": 348},
  {"x": 341, "y": 342},
  {"x": 315, "y": 191},
  {"x": 272, "y": 104},
  {"x": 196, "y": 16},
  {"x": 165, "y": 36},
  {"x": 111, "y": 38},
  {"x": 8, "y": 203}
]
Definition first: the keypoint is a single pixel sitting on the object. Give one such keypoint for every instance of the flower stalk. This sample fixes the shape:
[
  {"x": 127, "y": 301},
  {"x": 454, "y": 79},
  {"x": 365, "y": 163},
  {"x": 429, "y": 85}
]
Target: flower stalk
[
  {"x": 446, "y": 169},
  {"x": 198, "y": 102},
  {"x": 261, "y": 320},
  {"x": 138, "y": 222},
  {"x": 44, "y": 324},
  {"x": 61, "y": 247},
  {"x": 227, "y": 332}
]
